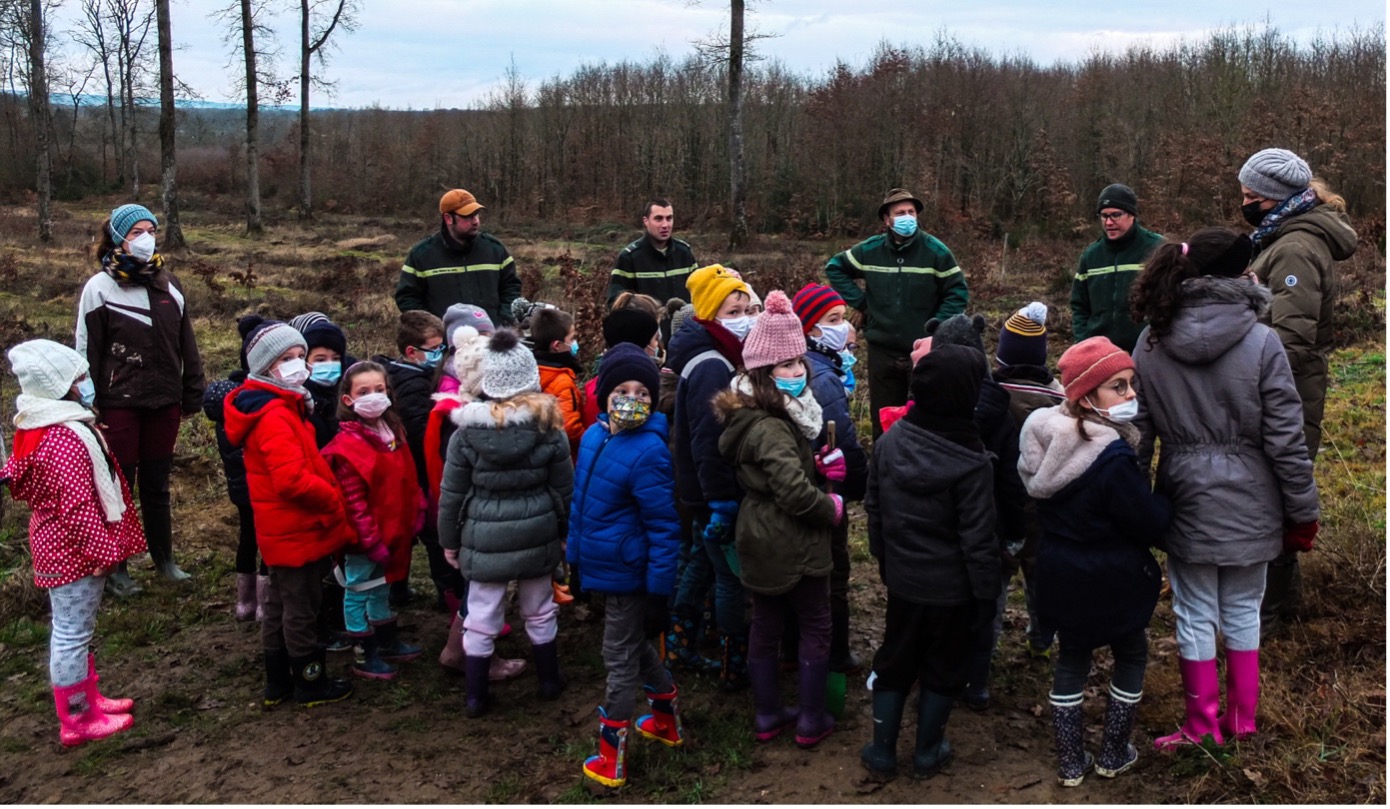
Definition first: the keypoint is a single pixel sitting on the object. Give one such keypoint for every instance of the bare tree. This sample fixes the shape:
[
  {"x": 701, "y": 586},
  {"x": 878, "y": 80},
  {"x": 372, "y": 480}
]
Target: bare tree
[
  {"x": 40, "y": 113},
  {"x": 173, "y": 230},
  {"x": 312, "y": 40},
  {"x": 91, "y": 33},
  {"x": 132, "y": 24}
]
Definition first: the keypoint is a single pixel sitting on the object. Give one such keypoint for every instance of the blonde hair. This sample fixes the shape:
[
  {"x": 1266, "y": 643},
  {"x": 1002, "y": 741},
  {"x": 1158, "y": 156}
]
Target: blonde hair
[
  {"x": 1327, "y": 196},
  {"x": 640, "y": 302}
]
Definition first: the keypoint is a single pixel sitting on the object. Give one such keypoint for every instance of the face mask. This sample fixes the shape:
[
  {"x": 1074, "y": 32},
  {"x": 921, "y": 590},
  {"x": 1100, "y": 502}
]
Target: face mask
[
  {"x": 371, "y": 405},
  {"x": 433, "y": 356},
  {"x": 905, "y": 225},
  {"x": 1120, "y": 413},
  {"x": 739, "y": 326},
  {"x": 627, "y": 412},
  {"x": 326, "y": 373},
  {"x": 791, "y": 387},
  {"x": 834, "y": 337},
  {"x": 574, "y": 349},
  {"x": 293, "y": 372},
  {"x": 87, "y": 392},
  {"x": 847, "y": 360},
  {"x": 1252, "y": 213},
  {"x": 142, "y": 247}
]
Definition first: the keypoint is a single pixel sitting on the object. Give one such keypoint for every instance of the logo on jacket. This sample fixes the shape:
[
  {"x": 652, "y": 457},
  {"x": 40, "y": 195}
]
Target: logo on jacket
[{"x": 1291, "y": 281}]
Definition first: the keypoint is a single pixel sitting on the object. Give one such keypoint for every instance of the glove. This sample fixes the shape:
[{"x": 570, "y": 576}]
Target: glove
[
  {"x": 723, "y": 517},
  {"x": 378, "y": 553},
  {"x": 831, "y": 464},
  {"x": 1298, "y": 537},
  {"x": 451, "y": 555},
  {"x": 655, "y": 616},
  {"x": 839, "y": 508}
]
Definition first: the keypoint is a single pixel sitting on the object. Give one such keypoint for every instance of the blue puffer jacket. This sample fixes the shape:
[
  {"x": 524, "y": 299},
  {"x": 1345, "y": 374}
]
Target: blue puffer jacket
[
  {"x": 624, "y": 532},
  {"x": 828, "y": 386}
]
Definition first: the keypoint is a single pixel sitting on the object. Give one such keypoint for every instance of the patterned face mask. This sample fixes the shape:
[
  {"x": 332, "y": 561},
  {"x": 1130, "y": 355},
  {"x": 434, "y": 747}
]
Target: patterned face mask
[{"x": 628, "y": 412}]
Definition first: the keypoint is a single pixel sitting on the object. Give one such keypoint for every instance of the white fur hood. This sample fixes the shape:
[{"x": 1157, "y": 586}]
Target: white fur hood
[{"x": 1052, "y": 453}]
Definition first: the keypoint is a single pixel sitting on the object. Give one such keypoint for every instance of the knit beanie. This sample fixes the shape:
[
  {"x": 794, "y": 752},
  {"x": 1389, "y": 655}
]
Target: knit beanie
[
  {"x": 301, "y": 323},
  {"x": 268, "y": 342},
  {"x": 753, "y": 298},
  {"x": 125, "y": 217},
  {"x": 1086, "y": 365},
  {"x": 709, "y": 286},
  {"x": 466, "y": 314},
  {"x": 812, "y": 302},
  {"x": 776, "y": 335},
  {"x": 246, "y": 326},
  {"x": 1118, "y": 195},
  {"x": 46, "y": 369},
  {"x": 628, "y": 326},
  {"x": 509, "y": 367},
  {"x": 625, "y": 362},
  {"x": 946, "y": 382},
  {"x": 469, "y": 350},
  {"x": 957, "y": 330},
  {"x": 325, "y": 334},
  {"x": 1275, "y": 174},
  {"x": 682, "y": 314},
  {"x": 1023, "y": 340}
]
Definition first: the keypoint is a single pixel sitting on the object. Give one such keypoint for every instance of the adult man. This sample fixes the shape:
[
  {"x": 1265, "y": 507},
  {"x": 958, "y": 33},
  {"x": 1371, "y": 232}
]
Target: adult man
[
  {"x": 1100, "y": 291},
  {"x": 909, "y": 277},
  {"x": 656, "y": 264},
  {"x": 459, "y": 264}
]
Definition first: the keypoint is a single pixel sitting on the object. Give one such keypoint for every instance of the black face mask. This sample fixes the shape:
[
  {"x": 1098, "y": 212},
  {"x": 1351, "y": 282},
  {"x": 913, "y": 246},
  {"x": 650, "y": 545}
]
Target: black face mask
[{"x": 1252, "y": 213}]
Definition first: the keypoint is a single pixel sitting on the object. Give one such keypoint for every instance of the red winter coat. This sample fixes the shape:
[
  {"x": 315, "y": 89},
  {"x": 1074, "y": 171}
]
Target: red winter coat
[
  {"x": 299, "y": 512},
  {"x": 69, "y": 536},
  {"x": 383, "y": 496}
]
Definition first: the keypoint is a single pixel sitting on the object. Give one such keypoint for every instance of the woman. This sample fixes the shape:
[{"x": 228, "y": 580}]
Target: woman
[
  {"x": 1219, "y": 395},
  {"x": 134, "y": 329}
]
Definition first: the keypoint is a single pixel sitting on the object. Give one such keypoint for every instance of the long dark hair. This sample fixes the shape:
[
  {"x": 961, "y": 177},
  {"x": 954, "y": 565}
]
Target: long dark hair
[
  {"x": 108, "y": 243},
  {"x": 346, "y": 413},
  {"x": 1157, "y": 292}
]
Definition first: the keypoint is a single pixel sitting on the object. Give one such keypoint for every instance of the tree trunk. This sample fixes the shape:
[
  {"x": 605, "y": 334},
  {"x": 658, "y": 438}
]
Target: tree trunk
[
  {"x": 170, "y": 228},
  {"x": 306, "y": 208},
  {"x": 738, "y": 193},
  {"x": 39, "y": 112},
  {"x": 253, "y": 152}
]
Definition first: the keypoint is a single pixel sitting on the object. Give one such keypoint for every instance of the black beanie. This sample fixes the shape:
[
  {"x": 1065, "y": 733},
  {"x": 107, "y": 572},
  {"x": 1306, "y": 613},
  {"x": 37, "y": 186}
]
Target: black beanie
[
  {"x": 246, "y": 326},
  {"x": 946, "y": 382},
  {"x": 628, "y": 326},
  {"x": 625, "y": 362},
  {"x": 1118, "y": 195},
  {"x": 325, "y": 334}
]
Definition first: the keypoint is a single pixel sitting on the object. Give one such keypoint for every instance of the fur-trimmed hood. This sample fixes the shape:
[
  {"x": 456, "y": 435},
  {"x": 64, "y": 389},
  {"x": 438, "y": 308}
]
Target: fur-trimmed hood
[
  {"x": 1216, "y": 313},
  {"x": 1052, "y": 453},
  {"x": 507, "y": 430}
]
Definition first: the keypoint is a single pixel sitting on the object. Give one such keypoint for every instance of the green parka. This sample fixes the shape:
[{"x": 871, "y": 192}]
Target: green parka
[
  {"x": 905, "y": 285},
  {"x": 784, "y": 522},
  {"x": 1100, "y": 290}
]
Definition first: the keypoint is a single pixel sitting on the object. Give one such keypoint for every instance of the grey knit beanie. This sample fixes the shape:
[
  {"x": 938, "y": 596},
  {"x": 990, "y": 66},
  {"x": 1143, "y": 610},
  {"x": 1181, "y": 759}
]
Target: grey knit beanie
[
  {"x": 1275, "y": 174},
  {"x": 268, "y": 342},
  {"x": 959, "y": 330},
  {"x": 466, "y": 314},
  {"x": 679, "y": 318},
  {"x": 509, "y": 368}
]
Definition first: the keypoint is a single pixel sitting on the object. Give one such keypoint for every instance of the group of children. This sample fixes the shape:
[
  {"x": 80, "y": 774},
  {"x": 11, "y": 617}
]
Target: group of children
[{"x": 724, "y": 472}]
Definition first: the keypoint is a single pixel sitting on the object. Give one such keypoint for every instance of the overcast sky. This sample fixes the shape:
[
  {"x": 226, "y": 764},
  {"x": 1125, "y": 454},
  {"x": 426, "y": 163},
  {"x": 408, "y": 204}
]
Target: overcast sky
[{"x": 425, "y": 54}]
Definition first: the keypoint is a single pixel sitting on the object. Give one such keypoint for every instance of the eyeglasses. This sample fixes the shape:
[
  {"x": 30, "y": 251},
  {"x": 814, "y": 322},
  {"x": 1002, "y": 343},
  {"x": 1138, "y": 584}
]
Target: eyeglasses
[
  {"x": 1122, "y": 388},
  {"x": 1113, "y": 217}
]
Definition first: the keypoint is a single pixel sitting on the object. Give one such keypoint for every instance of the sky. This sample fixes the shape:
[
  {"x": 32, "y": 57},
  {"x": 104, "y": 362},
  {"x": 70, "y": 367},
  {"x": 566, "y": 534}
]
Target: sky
[{"x": 428, "y": 54}]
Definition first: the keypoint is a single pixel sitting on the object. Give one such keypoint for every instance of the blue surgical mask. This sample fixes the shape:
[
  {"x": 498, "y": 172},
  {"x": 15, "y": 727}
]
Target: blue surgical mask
[
  {"x": 792, "y": 387},
  {"x": 87, "y": 392},
  {"x": 847, "y": 360},
  {"x": 905, "y": 225},
  {"x": 433, "y": 356},
  {"x": 574, "y": 349},
  {"x": 326, "y": 373},
  {"x": 834, "y": 337}
]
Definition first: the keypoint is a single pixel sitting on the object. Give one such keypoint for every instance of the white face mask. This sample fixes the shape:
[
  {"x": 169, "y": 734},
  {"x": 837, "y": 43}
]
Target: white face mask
[
  {"x": 142, "y": 246},
  {"x": 738, "y": 326},
  {"x": 293, "y": 372},
  {"x": 372, "y": 405},
  {"x": 1120, "y": 413},
  {"x": 834, "y": 337}
]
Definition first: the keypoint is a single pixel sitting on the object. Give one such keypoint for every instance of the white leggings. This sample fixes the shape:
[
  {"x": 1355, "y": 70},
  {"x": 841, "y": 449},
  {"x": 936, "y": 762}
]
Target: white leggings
[
  {"x": 485, "y": 613},
  {"x": 74, "y": 622},
  {"x": 1212, "y": 598}
]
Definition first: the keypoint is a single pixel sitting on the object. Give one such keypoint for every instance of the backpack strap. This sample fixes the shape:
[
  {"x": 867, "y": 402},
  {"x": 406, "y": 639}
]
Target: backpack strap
[{"x": 701, "y": 357}]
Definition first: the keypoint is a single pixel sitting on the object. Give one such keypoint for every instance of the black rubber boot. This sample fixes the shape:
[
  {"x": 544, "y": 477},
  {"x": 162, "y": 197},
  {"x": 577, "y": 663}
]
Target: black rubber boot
[
  {"x": 1117, "y": 754},
  {"x": 842, "y": 660},
  {"x": 1073, "y": 762},
  {"x": 476, "y": 685},
  {"x": 279, "y": 679},
  {"x": 313, "y": 686},
  {"x": 733, "y": 669},
  {"x": 552, "y": 682},
  {"x": 158, "y": 522},
  {"x": 1283, "y": 592},
  {"x": 880, "y": 756},
  {"x": 389, "y": 645},
  {"x": 933, "y": 751}
]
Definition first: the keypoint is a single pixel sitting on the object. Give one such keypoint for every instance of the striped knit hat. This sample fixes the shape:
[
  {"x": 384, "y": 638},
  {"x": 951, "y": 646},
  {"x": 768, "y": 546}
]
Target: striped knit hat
[
  {"x": 1023, "y": 340},
  {"x": 1086, "y": 365},
  {"x": 812, "y": 302}
]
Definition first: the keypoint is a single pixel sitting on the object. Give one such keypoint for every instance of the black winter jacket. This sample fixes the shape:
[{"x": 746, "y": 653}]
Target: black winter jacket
[
  {"x": 702, "y": 474},
  {"x": 440, "y": 272},
  {"x": 233, "y": 464},
  {"x": 413, "y": 388},
  {"x": 641, "y": 268}
]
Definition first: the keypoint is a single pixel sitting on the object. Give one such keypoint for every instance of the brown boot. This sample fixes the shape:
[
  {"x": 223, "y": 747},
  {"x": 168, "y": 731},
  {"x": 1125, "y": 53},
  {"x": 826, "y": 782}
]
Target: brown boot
[{"x": 452, "y": 657}]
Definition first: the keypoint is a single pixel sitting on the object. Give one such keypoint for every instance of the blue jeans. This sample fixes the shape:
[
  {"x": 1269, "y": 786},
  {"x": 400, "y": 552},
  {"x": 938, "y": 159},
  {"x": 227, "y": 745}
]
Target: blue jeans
[
  {"x": 695, "y": 577},
  {"x": 362, "y": 606},
  {"x": 730, "y": 602}
]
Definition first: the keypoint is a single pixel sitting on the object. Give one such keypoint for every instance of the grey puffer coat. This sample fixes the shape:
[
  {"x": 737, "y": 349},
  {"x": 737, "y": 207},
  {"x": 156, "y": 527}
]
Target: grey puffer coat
[
  {"x": 1217, "y": 393},
  {"x": 504, "y": 499}
]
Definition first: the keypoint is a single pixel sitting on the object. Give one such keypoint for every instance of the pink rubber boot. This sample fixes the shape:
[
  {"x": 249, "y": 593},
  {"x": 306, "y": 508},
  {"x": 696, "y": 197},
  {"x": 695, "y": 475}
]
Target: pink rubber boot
[
  {"x": 1203, "y": 690},
  {"x": 79, "y": 719},
  {"x": 104, "y": 704},
  {"x": 1242, "y": 693}
]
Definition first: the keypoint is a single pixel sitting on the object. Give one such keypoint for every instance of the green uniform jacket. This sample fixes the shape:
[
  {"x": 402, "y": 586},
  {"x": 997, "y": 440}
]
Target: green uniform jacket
[
  {"x": 784, "y": 521},
  {"x": 1100, "y": 291},
  {"x": 1298, "y": 264},
  {"x": 904, "y": 286},
  {"x": 643, "y": 268},
  {"x": 440, "y": 272}
]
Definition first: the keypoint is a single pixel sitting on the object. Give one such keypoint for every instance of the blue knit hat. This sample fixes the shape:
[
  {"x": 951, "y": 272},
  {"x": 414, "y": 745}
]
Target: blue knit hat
[{"x": 125, "y": 217}]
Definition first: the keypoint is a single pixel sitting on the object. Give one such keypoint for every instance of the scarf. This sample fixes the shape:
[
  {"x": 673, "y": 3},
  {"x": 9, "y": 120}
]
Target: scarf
[
  {"x": 1302, "y": 202},
  {"x": 36, "y": 412},
  {"x": 1127, "y": 431},
  {"x": 127, "y": 269},
  {"x": 804, "y": 410},
  {"x": 275, "y": 381}
]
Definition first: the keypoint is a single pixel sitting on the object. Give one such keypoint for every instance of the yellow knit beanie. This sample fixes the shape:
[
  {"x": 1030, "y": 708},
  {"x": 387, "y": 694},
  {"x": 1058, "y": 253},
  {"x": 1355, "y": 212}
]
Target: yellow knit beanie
[{"x": 709, "y": 286}]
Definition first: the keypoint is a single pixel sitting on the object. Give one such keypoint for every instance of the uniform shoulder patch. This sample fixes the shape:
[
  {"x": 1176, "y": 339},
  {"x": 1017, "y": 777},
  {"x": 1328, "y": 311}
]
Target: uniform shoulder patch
[{"x": 1291, "y": 280}]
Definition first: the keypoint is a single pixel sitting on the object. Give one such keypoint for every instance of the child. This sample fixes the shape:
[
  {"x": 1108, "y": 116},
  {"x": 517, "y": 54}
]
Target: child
[
  {"x": 413, "y": 377},
  {"x": 299, "y": 512},
  {"x": 1219, "y": 396},
  {"x": 504, "y": 509},
  {"x": 456, "y": 317},
  {"x": 705, "y": 351},
  {"x": 624, "y": 538},
  {"x": 374, "y": 468},
  {"x": 634, "y": 324},
  {"x": 931, "y": 512},
  {"x": 326, "y": 360},
  {"x": 83, "y": 523},
  {"x": 1097, "y": 583},
  {"x": 822, "y": 314},
  {"x": 783, "y": 532},
  {"x": 557, "y": 355},
  {"x": 250, "y": 587}
]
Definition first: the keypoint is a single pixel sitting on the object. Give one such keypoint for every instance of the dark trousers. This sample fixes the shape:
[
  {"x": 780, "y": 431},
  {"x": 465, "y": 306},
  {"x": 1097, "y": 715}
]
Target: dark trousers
[
  {"x": 142, "y": 441},
  {"x": 890, "y": 371},
  {"x": 445, "y": 577},
  {"x": 809, "y": 601},
  {"x": 292, "y": 602},
  {"x": 630, "y": 658},
  {"x": 246, "y": 541},
  {"x": 1131, "y": 653},
  {"x": 927, "y": 644}
]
